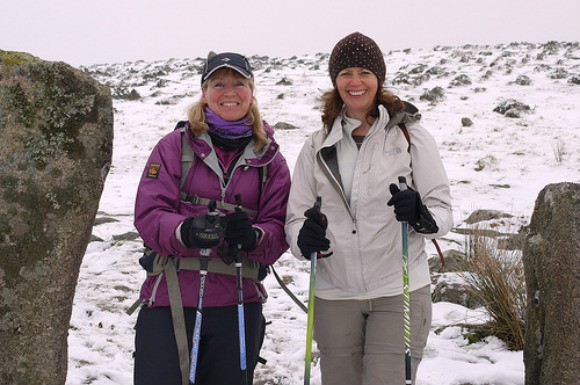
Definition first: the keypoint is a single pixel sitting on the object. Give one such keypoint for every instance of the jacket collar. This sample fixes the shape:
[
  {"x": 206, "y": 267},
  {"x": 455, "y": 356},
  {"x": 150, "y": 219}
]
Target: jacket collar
[
  {"x": 336, "y": 134},
  {"x": 202, "y": 148}
]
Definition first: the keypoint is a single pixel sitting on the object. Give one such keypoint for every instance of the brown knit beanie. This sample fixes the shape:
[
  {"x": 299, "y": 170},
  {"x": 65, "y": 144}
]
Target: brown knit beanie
[{"x": 357, "y": 50}]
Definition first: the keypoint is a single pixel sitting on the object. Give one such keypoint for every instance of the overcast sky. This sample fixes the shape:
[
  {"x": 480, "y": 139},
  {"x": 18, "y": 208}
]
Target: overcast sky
[{"x": 84, "y": 32}]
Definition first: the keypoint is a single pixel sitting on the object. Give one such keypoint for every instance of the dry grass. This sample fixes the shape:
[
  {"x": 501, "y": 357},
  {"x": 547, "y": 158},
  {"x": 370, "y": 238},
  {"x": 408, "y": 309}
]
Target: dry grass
[{"x": 496, "y": 278}]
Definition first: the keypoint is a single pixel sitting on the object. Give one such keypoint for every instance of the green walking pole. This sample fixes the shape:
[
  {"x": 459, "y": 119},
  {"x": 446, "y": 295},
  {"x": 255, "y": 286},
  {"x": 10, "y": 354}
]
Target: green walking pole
[
  {"x": 406, "y": 298},
  {"x": 310, "y": 322}
]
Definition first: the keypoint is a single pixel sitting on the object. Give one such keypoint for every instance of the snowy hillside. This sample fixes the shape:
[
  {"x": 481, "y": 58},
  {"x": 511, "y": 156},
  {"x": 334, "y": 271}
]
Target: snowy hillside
[{"x": 499, "y": 163}]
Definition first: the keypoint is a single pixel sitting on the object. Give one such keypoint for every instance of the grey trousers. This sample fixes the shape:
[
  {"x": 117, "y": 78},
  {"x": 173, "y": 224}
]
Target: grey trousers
[{"x": 361, "y": 342}]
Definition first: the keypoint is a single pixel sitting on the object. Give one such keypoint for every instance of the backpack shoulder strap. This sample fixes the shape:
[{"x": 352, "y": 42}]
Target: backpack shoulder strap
[
  {"x": 403, "y": 128},
  {"x": 187, "y": 153},
  {"x": 187, "y": 156},
  {"x": 263, "y": 175}
]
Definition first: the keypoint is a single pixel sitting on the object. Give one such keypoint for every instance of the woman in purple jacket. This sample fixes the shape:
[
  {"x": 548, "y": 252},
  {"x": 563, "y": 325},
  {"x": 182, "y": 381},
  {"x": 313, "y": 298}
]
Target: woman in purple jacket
[{"x": 229, "y": 205}]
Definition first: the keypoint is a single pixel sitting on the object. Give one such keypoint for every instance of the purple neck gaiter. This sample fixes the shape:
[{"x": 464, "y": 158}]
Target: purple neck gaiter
[{"x": 226, "y": 129}]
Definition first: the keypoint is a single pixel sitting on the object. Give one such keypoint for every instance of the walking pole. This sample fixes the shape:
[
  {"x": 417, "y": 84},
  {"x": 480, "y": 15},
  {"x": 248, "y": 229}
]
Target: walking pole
[
  {"x": 213, "y": 215},
  {"x": 241, "y": 319},
  {"x": 310, "y": 322},
  {"x": 198, "y": 315},
  {"x": 406, "y": 298}
]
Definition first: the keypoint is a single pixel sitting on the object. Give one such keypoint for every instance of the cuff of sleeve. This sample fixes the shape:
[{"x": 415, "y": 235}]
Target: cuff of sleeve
[
  {"x": 259, "y": 235},
  {"x": 178, "y": 234},
  {"x": 426, "y": 223}
]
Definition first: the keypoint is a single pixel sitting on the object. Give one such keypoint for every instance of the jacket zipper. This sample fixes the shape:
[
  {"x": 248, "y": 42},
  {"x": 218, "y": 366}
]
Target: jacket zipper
[{"x": 337, "y": 187}]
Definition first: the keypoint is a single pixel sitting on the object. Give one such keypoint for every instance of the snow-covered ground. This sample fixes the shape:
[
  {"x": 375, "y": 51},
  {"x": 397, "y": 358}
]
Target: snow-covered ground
[{"x": 498, "y": 163}]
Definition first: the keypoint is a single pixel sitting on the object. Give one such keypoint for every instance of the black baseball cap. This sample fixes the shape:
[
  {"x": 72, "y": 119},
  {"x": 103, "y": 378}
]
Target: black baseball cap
[{"x": 232, "y": 60}]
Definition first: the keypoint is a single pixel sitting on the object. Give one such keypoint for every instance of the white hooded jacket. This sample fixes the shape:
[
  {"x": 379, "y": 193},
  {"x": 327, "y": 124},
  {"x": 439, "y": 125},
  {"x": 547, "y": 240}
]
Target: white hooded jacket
[{"x": 364, "y": 235}]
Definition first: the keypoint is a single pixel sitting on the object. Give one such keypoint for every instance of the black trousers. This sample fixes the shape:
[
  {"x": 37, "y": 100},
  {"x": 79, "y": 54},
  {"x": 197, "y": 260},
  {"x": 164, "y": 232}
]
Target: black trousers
[{"x": 156, "y": 358}]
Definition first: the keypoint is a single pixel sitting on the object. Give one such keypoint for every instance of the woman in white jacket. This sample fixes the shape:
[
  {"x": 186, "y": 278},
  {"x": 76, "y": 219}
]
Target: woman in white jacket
[{"x": 370, "y": 138}]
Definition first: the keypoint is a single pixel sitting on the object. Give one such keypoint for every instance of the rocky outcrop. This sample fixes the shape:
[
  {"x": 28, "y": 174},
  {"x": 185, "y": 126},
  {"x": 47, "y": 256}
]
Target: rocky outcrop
[
  {"x": 56, "y": 125},
  {"x": 551, "y": 259}
]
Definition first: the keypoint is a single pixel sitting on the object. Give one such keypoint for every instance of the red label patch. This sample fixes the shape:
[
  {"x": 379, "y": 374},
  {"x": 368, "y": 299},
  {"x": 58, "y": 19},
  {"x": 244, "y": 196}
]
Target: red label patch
[{"x": 153, "y": 172}]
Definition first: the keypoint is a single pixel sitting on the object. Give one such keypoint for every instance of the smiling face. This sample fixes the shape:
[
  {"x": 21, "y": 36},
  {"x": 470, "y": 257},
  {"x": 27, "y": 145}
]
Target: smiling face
[
  {"x": 358, "y": 89},
  {"x": 228, "y": 94}
]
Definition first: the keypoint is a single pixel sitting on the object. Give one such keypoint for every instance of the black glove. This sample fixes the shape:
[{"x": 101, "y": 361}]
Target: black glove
[
  {"x": 409, "y": 208},
  {"x": 406, "y": 204},
  {"x": 239, "y": 231},
  {"x": 312, "y": 235},
  {"x": 204, "y": 231}
]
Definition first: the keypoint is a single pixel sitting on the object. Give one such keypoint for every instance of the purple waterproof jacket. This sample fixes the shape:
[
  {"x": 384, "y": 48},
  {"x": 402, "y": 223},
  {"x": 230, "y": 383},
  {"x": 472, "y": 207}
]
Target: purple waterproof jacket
[{"x": 159, "y": 211}]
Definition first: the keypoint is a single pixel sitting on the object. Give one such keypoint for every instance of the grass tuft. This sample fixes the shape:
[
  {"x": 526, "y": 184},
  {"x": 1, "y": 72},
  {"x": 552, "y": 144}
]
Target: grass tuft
[{"x": 496, "y": 278}]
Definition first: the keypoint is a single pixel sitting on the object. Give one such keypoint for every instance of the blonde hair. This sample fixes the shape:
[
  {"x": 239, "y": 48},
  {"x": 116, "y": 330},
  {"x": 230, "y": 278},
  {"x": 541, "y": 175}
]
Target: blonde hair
[
  {"x": 332, "y": 105},
  {"x": 197, "y": 120}
]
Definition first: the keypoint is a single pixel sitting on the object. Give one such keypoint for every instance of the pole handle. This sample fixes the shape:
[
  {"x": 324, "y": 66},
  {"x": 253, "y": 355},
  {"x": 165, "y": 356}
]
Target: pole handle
[
  {"x": 402, "y": 183},
  {"x": 238, "y": 198},
  {"x": 318, "y": 203}
]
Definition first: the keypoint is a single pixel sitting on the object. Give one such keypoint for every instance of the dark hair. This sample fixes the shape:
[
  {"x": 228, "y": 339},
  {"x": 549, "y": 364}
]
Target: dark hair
[{"x": 332, "y": 105}]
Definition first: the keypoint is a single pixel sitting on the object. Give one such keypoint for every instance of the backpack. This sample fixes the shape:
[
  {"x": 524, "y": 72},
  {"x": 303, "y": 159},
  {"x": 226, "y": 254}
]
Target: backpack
[
  {"x": 168, "y": 266},
  {"x": 155, "y": 264}
]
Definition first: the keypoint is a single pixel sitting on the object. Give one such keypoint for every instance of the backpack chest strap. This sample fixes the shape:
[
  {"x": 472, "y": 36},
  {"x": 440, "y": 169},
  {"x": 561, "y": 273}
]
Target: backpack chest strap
[{"x": 197, "y": 200}]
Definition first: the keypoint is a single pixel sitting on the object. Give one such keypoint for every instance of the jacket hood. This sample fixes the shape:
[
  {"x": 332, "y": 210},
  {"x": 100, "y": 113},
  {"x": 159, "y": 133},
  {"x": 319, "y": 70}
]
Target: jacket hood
[{"x": 410, "y": 114}]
